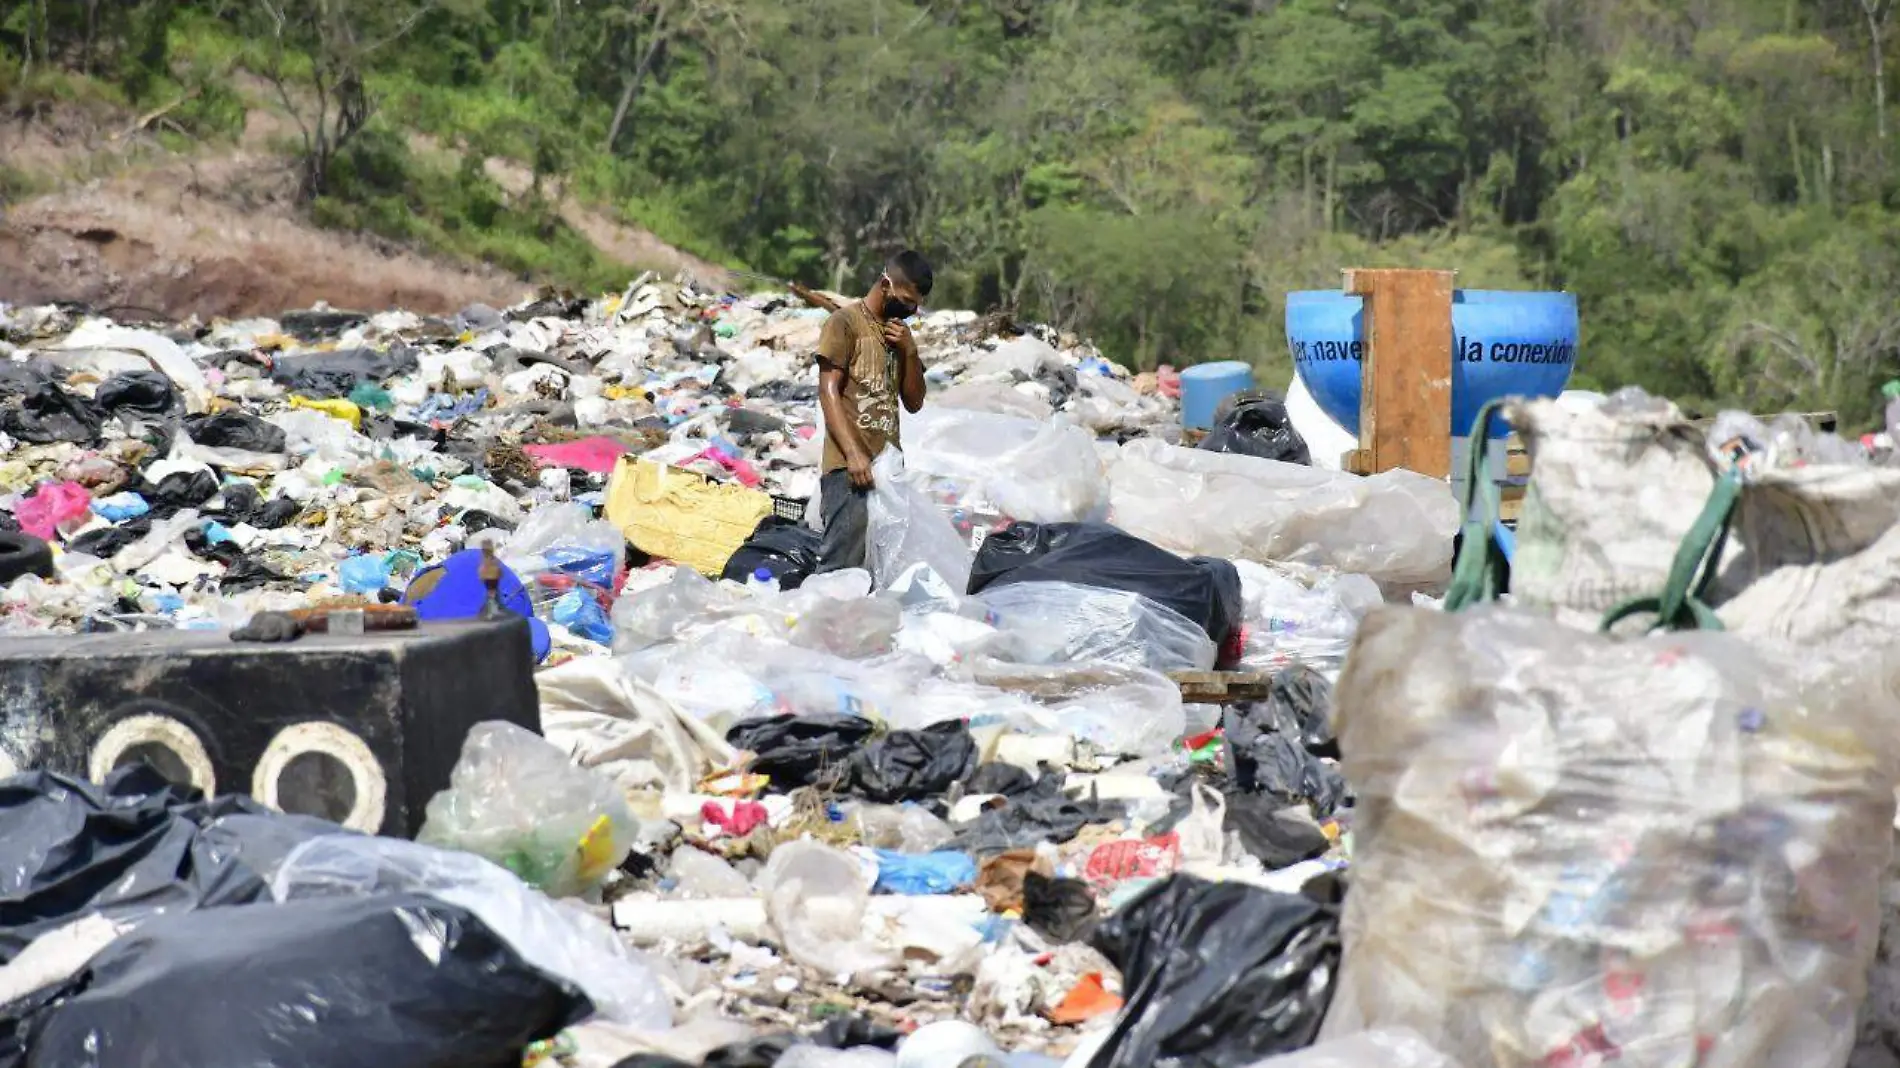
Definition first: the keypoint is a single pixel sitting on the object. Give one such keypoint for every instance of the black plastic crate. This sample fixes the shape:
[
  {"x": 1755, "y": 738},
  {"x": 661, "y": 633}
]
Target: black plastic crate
[{"x": 788, "y": 508}]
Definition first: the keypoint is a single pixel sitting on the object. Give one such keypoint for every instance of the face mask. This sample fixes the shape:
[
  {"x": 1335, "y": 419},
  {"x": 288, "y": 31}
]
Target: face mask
[{"x": 896, "y": 307}]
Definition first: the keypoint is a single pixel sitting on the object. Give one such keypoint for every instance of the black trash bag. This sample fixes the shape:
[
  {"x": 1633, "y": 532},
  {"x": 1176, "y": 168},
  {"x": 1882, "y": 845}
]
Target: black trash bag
[
  {"x": 124, "y": 849},
  {"x": 1279, "y": 841},
  {"x": 1217, "y": 975},
  {"x": 397, "y": 980},
  {"x": 1205, "y": 590},
  {"x": 797, "y": 751},
  {"x": 242, "y": 500},
  {"x": 276, "y": 512},
  {"x": 336, "y": 374},
  {"x": 1255, "y": 423},
  {"x": 1041, "y": 814},
  {"x": 787, "y": 549},
  {"x": 998, "y": 778},
  {"x": 176, "y": 492},
  {"x": 1061, "y": 910},
  {"x": 315, "y": 324},
  {"x": 750, "y": 421},
  {"x": 855, "y": 1032},
  {"x": 1267, "y": 759},
  {"x": 18, "y": 379},
  {"x": 146, "y": 394},
  {"x": 235, "y": 430},
  {"x": 914, "y": 765},
  {"x": 475, "y": 521},
  {"x": 761, "y": 1052},
  {"x": 247, "y": 573},
  {"x": 1300, "y": 701},
  {"x": 105, "y": 542},
  {"x": 50, "y": 414}
]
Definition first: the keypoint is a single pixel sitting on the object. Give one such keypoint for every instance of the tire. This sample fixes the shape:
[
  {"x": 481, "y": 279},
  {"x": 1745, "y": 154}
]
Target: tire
[{"x": 24, "y": 554}]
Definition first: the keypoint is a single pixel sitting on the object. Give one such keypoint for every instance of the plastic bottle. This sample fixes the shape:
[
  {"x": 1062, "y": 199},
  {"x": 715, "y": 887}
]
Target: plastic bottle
[{"x": 762, "y": 581}]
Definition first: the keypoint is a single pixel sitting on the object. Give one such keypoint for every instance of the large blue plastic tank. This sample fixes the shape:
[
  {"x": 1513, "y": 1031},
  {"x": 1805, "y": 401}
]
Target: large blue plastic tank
[
  {"x": 1205, "y": 385},
  {"x": 1503, "y": 344}
]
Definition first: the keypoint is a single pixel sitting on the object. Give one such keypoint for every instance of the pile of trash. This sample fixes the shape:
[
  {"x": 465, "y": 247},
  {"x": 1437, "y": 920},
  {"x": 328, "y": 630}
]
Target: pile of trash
[
  {"x": 959, "y": 808},
  {"x": 193, "y": 475}
]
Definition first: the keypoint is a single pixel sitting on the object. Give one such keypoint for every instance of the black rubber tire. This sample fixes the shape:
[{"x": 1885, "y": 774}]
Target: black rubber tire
[{"x": 24, "y": 554}]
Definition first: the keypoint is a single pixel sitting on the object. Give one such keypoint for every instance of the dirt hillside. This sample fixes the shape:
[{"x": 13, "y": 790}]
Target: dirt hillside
[{"x": 123, "y": 223}]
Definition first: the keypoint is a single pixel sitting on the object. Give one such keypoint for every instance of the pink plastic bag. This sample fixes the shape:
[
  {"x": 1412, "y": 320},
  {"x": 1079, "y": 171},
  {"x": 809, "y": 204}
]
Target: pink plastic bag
[
  {"x": 740, "y": 469},
  {"x": 598, "y": 455},
  {"x": 56, "y": 504}
]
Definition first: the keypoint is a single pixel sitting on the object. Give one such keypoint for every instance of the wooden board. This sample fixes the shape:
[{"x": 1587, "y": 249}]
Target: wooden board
[
  {"x": 1222, "y": 687},
  {"x": 1405, "y": 401}
]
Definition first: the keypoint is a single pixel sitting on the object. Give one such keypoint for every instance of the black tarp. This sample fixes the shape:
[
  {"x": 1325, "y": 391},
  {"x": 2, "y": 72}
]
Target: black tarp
[{"x": 1203, "y": 589}]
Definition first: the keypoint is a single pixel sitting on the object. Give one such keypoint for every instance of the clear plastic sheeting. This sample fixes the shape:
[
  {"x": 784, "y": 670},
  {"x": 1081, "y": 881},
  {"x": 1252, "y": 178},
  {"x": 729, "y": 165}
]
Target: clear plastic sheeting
[
  {"x": 1114, "y": 707},
  {"x": 1038, "y": 471},
  {"x": 670, "y": 611},
  {"x": 1571, "y": 849},
  {"x": 1395, "y": 527},
  {"x": 560, "y": 940},
  {"x": 907, "y": 530},
  {"x": 1062, "y": 623},
  {"x": 1291, "y": 622},
  {"x": 1396, "y": 1048},
  {"x": 514, "y": 799},
  {"x": 732, "y": 677}
]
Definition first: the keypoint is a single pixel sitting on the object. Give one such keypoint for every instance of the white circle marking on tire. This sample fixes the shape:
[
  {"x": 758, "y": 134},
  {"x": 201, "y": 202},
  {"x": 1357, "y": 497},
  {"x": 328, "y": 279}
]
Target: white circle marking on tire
[
  {"x": 154, "y": 729},
  {"x": 339, "y": 743}
]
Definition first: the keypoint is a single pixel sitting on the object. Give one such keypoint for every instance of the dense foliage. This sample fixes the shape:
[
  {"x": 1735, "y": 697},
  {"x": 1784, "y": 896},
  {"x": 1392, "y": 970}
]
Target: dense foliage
[{"x": 1714, "y": 180}]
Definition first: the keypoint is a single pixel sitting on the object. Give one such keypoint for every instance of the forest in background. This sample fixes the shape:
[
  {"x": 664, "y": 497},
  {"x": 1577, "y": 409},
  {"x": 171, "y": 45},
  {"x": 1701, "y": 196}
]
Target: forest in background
[{"x": 1714, "y": 179}]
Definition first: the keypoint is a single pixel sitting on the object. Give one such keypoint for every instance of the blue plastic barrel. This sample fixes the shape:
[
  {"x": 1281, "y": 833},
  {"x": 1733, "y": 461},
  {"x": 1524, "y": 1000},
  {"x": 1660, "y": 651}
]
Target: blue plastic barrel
[
  {"x": 1503, "y": 344},
  {"x": 1205, "y": 385}
]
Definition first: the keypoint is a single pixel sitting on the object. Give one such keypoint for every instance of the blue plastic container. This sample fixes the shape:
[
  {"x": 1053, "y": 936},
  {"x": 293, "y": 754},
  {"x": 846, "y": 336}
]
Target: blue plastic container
[
  {"x": 1205, "y": 385},
  {"x": 1503, "y": 344}
]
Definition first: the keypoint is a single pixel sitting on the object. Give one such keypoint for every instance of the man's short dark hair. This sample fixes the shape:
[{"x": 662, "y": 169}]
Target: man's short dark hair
[{"x": 908, "y": 266}]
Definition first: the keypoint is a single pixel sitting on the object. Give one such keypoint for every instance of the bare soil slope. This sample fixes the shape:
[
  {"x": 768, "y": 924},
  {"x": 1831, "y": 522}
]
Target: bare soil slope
[{"x": 127, "y": 225}]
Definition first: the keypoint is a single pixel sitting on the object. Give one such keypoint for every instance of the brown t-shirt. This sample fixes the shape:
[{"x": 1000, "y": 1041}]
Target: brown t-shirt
[{"x": 853, "y": 342}]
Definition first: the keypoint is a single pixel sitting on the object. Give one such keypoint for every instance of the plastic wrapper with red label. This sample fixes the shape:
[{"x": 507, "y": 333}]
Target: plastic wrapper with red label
[{"x": 1572, "y": 850}]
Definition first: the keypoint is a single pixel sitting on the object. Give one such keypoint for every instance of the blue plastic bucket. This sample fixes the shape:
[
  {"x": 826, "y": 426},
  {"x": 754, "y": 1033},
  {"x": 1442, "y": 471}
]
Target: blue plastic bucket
[
  {"x": 1503, "y": 344},
  {"x": 1205, "y": 385}
]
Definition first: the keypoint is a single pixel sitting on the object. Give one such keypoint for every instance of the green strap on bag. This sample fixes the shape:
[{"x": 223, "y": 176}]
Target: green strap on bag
[
  {"x": 1481, "y": 571},
  {"x": 1681, "y": 605}
]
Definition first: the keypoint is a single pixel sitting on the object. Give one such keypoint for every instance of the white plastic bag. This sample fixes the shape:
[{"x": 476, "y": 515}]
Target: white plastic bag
[
  {"x": 815, "y": 897},
  {"x": 906, "y": 530},
  {"x": 1063, "y": 622},
  {"x": 1395, "y": 527},
  {"x": 561, "y": 941}
]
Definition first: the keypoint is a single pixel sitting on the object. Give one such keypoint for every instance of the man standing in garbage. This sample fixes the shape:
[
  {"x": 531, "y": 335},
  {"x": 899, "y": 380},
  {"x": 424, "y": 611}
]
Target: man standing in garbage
[{"x": 867, "y": 363}]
